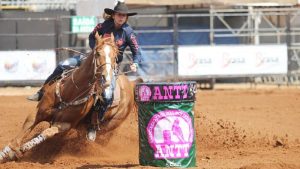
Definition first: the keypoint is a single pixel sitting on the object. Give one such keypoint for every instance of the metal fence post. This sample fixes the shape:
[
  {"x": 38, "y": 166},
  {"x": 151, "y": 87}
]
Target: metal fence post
[
  {"x": 57, "y": 37},
  {"x": 211, "y": 25},
  {"x": 175, "y": 43},
  {"x": 288, "y": 43}
]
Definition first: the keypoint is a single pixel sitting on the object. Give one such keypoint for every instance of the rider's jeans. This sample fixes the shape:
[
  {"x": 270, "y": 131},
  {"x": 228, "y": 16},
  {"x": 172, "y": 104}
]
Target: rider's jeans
[{"x": 63, "y": 65}]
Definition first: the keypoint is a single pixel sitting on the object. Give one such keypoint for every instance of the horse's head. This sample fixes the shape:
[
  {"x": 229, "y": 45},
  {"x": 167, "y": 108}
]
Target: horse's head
[{"x": 105, "y": 53}]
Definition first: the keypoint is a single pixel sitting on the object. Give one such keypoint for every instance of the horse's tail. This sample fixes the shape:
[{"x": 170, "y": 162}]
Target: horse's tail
[
  {"x": 133, "y": 83},
  {"x": 138, "y": 80}
]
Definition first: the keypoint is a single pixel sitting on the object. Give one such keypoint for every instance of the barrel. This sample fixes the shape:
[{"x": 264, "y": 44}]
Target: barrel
[{"x": 166, "y": 124}]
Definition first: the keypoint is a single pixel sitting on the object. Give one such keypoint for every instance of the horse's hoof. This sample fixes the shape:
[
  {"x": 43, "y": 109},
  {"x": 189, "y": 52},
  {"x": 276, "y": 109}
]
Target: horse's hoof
[
  {"x": 12, "y": 156},
  {"x": 91, "y": 135},
  {"x": 1, "y": 159},
  {"x": 17, "y": 155},
  {"x": 7, "y": 154}
]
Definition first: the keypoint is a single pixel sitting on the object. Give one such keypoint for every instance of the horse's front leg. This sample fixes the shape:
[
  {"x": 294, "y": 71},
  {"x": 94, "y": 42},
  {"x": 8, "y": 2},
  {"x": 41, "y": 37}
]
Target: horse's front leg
[
  {"x": 56, "y": 128},
  {"x": 13, "y": 150},
  {"x": 26, "y": 129},
  {"x": 115, "y": 120}
]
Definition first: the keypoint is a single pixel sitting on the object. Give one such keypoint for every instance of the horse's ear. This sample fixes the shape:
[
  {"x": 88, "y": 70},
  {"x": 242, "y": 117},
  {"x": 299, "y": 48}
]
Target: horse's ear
[
  {"x": 98, "y": 37},
  {"x": 112, "y": 37}
]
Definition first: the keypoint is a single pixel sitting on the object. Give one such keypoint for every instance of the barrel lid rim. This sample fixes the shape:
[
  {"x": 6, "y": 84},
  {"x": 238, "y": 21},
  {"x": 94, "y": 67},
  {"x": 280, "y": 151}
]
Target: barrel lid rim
[{"x": 166, "y": 83}]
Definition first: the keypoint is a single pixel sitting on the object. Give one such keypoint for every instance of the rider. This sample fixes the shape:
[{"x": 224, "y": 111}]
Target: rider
[{"x": 116, "y": 23}]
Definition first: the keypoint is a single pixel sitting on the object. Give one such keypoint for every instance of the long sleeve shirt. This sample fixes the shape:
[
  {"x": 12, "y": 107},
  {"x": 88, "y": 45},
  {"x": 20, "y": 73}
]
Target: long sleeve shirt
[{"x": 124, "y": 37}]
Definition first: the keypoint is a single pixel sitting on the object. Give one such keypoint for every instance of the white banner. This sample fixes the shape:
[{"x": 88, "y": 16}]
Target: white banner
[
  {"x": 232, "y": 60},
  {"x": 26, "y": 65}
]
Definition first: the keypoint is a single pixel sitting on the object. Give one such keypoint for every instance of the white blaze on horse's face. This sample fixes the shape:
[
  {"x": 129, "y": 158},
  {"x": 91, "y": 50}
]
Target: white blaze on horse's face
[{"x": 107, "y": 51}]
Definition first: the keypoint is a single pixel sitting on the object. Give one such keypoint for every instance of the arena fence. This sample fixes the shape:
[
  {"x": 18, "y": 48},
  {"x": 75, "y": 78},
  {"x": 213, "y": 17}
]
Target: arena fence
[{"x": 162, "y": 35}]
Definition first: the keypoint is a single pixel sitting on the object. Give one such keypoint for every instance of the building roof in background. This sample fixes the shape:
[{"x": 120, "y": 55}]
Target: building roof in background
[{"x": 216, "y": 2}]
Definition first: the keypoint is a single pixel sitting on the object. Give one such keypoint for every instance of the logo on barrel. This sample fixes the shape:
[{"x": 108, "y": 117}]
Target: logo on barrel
[
  {"x": 171, "y": 92},
  {"x": 170, "y": 134},
  {"x": 145, "y": 93}
]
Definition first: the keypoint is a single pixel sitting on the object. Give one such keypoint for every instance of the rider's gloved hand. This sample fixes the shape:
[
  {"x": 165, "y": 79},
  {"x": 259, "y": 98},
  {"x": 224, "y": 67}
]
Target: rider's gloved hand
[{"x": 134, "y": 67}]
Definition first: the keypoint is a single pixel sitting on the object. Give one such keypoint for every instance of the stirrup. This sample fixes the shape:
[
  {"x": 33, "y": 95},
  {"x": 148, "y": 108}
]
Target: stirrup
[{"x": 35, "y": 97}]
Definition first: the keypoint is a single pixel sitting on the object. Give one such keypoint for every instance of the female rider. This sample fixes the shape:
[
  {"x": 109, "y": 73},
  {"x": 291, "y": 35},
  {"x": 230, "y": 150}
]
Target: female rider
[{"x": 115, "y": 23}]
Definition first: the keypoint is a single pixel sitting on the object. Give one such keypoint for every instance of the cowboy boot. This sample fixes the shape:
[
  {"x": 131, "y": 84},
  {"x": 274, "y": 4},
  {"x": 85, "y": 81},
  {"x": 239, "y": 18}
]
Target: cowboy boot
[
  {"x": 57, "y": 72},
  {"x": 37, "y": 96}
]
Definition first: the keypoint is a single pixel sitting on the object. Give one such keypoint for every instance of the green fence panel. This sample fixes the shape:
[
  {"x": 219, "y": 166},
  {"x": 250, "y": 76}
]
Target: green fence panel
[{"x": 166, "y": 124}]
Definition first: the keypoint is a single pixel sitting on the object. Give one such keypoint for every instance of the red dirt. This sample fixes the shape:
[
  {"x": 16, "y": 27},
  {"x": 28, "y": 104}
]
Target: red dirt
[{"x": 235, "y": 128}]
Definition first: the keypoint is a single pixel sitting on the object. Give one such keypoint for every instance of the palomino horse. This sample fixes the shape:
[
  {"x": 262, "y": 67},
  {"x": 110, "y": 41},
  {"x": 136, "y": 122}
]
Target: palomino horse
[{"x": 67, "y": 101}]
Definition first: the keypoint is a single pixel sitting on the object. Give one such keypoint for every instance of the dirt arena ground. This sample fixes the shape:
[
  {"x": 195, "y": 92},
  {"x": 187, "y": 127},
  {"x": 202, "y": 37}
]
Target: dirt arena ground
[{"x": 236, "y": 127}]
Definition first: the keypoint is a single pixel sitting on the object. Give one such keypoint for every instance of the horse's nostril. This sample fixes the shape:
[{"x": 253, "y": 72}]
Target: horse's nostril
[{"x": 103, "y": 79}]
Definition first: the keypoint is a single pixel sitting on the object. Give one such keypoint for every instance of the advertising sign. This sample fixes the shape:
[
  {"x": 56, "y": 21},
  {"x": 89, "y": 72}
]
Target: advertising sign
[
  {"x": 83, "y": 24},
  {"x": 26, "y": 65},
  {"x": 232, "y": 60},
  {"x": 166, "y": 124}
]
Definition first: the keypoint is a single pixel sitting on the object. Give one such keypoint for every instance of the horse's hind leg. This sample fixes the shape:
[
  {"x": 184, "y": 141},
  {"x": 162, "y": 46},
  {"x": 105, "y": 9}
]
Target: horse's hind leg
[
  {"x": 56, "y": 128},
  {"x": 10, "y": 150},
  {"x": 34, "y": 121},
  {"x": 9, "y": 153},
  {"x": 26, "y": 129}
]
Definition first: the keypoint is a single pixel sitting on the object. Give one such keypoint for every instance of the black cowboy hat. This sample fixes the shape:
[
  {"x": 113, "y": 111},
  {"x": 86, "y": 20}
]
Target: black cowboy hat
[{"x": 120, "y": 8}]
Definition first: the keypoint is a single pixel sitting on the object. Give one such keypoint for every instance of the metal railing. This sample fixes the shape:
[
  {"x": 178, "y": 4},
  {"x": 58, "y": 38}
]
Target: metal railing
[
  {"x": 38, "y": 5},
  {"x": 248, "y": 26}
]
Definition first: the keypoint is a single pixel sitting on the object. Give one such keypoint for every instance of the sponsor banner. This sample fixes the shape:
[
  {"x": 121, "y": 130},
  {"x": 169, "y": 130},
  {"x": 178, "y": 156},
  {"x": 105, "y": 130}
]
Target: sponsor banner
[
  {"x": 166, "y": 129},
  {"x": 232, "y": 60},
  {"x": 26, "y": 65},
  {"x": 165, "y": 92},
  {"x": 83, "y": 24}
]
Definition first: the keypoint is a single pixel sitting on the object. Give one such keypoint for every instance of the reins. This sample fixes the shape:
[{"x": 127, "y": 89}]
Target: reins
[
  {"x": 91, "y": 90},
  {"x": 72, "y": 50},
  {"x": 74, "y": 102},
  {"x": 85, "y": 55}
]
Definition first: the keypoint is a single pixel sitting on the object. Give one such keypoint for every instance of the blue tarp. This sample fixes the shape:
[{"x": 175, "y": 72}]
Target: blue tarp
[
  {"x": 151, "y": 57},
  {"x": 184, "y": 38},
  {"x": 156, "y": 62}
]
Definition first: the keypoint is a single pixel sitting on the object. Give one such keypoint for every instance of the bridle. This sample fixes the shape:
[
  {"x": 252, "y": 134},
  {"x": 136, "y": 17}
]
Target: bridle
[
  {"x": 97, "y": 70},
  {"x": 97, "y": 66}
]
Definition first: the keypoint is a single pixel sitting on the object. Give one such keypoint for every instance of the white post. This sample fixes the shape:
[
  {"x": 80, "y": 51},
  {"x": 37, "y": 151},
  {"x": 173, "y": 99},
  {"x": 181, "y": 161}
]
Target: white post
[{"x": 257, "y": 21}]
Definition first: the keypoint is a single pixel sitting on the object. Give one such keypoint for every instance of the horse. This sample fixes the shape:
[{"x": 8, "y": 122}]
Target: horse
[{"x": 67, "y": 101}]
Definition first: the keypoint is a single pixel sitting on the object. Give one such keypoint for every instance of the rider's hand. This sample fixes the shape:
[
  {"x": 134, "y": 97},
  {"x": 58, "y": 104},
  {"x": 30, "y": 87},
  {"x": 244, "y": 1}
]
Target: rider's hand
[{"x": 134, "y": 67}]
